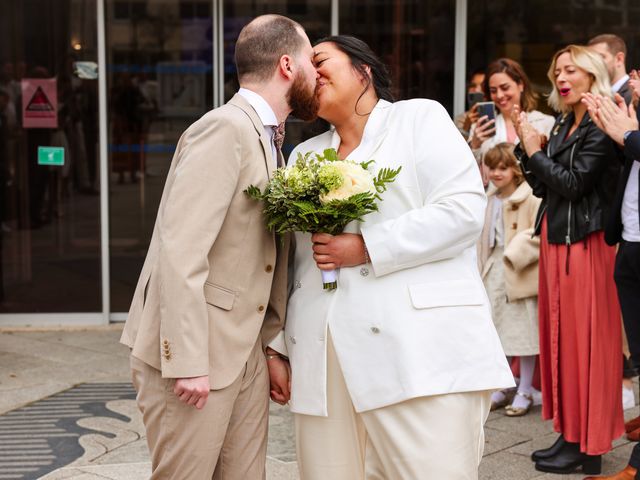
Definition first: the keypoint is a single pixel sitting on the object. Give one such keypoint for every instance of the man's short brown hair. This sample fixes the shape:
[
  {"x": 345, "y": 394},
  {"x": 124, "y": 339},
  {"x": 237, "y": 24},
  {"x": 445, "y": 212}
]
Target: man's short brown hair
[
  {"x": 614, "y": 43},
  {"x": 262, "y": 43}
]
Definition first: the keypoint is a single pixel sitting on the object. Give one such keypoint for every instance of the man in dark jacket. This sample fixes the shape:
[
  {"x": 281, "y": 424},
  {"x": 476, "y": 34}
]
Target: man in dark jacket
[
  {"x": 613, "y": 51},
  {"x": 621, "y": 124}
]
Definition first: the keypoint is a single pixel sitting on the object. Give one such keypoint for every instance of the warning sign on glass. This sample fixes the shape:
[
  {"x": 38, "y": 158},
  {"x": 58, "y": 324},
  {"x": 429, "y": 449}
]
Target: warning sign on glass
[{"x": 39, "y": 103}]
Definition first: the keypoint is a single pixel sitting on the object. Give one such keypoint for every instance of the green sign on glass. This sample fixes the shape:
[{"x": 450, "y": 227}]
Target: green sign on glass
[{"x": 51, "y": 156}]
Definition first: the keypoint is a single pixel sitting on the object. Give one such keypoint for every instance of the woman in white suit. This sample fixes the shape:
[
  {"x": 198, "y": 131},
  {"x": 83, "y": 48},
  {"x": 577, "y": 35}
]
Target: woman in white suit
[{"x": 392, "y": 372}]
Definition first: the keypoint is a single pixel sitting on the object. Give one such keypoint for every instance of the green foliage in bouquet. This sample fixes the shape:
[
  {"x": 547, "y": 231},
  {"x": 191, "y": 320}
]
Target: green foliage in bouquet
[{"x": 321, "y": 193}]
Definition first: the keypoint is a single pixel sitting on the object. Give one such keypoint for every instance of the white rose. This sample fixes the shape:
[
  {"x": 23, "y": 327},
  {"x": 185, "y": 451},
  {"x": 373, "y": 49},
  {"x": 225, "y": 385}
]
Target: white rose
[{"x": 356, "y": 180}]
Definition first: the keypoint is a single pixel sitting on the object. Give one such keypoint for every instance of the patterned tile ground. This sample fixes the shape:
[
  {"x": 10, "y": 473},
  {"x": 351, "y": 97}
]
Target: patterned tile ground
[{"x": 45, "y": 435}]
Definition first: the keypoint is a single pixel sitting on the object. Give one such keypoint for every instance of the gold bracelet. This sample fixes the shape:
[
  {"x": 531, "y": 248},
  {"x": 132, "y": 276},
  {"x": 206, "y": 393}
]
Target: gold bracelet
[
  {"x": 271, "y": 356},
  {"x": 366, "y": 254}
]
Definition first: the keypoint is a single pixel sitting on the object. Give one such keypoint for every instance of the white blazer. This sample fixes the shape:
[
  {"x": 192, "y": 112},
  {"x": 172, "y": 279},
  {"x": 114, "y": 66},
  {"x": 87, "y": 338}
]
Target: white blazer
[{"x": 416, "y": 321}]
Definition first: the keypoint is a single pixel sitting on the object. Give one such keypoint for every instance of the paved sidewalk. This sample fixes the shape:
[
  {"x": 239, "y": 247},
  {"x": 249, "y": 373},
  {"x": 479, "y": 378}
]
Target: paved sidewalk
[{"x": 35, "y": 364}]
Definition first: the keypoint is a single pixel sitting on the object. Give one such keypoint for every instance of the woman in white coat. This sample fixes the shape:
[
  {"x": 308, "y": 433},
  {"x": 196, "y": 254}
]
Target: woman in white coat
[
  {"x": 507, "y": 85},
  {"x": 392, "y": 372}
]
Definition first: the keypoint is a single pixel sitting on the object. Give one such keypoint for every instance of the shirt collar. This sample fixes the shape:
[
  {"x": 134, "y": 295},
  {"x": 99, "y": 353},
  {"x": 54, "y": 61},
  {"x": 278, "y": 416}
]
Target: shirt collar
[
  {"x": 260, "y": 105},
  {"x": 616, "y": 86}
]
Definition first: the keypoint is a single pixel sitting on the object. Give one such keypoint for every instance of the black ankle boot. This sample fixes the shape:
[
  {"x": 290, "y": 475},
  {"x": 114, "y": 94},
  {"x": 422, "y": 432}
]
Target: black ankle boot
[
  {"x": 549, "y": 452},
  {"x": 569, "y": 459}
]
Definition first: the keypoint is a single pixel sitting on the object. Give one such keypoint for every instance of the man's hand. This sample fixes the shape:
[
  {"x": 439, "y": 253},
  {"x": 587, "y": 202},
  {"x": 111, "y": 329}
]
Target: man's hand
[
  {"x": 192, "y": 391},
  {"x": 613, "y": 118},
  {"x": 279, "y": 378},
  {"x": 335, "y": 251}
]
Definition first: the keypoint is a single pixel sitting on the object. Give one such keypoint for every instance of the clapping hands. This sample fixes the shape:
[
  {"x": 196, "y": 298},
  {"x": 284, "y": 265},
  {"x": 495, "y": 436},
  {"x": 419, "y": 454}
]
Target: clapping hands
[
  {"x": 531, "y": 140},
  {"x": 614, "y": 119}
]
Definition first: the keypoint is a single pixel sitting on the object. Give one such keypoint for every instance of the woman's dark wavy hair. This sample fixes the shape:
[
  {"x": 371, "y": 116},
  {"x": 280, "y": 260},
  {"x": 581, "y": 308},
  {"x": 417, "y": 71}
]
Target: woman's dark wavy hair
[{"x": 362, "y": 56}]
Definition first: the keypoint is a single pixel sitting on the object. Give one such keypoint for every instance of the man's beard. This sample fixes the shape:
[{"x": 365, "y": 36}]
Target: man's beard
[{"x": 303, "y": 100}]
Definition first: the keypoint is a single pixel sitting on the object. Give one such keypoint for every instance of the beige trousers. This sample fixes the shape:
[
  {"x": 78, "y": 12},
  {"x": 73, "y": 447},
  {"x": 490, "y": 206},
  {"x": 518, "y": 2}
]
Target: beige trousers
[
  {"x": 226, "y": 440},
  {"x": 440, "y": 437}
]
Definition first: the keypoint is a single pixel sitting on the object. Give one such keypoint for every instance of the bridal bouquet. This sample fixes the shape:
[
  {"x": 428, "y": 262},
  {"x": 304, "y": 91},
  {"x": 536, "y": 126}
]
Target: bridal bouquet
[{"x": 321, "y": 194}]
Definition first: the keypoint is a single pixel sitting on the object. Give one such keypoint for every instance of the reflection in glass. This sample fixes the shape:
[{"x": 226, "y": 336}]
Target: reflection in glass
[
  {"x": 414, "y": 39},
  {"x": 49, "y": 215},
  {"x": 531, "y": 32},
  {"x": 315, "y": 18},
  {"x": 159, "y": 56}
]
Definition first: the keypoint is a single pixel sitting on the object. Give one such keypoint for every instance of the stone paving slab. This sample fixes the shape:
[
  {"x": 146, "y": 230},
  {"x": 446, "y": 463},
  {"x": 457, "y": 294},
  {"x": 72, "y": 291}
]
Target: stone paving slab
[{"x": 37, "y": 364}]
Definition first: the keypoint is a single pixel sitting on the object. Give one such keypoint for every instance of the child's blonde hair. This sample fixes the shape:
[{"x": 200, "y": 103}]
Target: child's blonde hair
[{"x": 502, "y": 153}]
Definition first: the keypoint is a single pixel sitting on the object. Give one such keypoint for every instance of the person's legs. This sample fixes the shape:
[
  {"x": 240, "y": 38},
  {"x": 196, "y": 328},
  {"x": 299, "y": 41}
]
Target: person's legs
[
  {"x": 332, "y": 447},
  {"x": 441, "y": 434},
  {"x": 523, "y": 399},
  {"x": 627, "y": 277},
  {"x": 244, "y": 450},
  {"x": 184, "y": 442}
]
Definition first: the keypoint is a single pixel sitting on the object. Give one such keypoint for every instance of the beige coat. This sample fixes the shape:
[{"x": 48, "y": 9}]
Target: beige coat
[
  {"x": 205, "y": 291},
  {"x": 521, "y": 250}
]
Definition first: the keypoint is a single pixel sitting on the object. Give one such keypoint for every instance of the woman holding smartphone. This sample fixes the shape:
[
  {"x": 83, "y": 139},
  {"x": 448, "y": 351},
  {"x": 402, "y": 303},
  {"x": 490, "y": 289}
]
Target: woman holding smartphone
[
  {"x": 507, "y": 85},
  {"x": 579, "y": 316}
]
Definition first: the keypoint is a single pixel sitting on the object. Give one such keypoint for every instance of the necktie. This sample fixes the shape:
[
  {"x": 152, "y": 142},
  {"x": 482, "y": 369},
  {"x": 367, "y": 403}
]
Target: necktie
[{"x": 278, "y": 136}]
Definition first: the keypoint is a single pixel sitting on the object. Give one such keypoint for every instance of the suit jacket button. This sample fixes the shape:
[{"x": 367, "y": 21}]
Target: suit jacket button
[
  {"x": 165, "y": 342},
  {"x": 375, "y": 329},
  {"x": 298, "y": 284},
  {"x": 514, "y": 226},
  {"x": 261, "y": 308},
  {"x": 268, "y": 269},
  {"x": 364, "y": 271},
  {"x": 292, "y": 339}
]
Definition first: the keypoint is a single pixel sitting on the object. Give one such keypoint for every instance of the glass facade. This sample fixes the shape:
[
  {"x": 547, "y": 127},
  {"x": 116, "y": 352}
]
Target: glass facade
[
  {"x": 159, "y": 81},
  {"x": 166, "y": 62},
  {"x": 415, "y": 39},
  {"x": 49, "y": 203},
  {"x": 531, "y": 32}
]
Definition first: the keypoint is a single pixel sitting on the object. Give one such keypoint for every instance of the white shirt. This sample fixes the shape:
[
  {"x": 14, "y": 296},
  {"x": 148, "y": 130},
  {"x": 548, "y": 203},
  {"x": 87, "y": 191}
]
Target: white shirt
[
  {"x": 616, "y": 86},
  {"x": 265, "y": 112},
  {"x": 629, "y": 210}
]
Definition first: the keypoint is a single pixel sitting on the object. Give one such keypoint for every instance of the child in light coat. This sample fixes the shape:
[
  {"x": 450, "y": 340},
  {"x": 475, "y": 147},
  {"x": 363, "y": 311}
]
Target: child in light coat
[{"x": 508, "y": 259}]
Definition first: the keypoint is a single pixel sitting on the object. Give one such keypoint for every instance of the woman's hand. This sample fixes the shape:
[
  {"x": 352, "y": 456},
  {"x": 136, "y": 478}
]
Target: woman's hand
[
  {"x": 279, "y": 377},
  {"x": 335, "y": 251},
  {"x": 530, "y": 138},
  {"x": 634, "y": 83},
  {"x": 470, "y": 117},
  {"x": 485, "y": 129}
]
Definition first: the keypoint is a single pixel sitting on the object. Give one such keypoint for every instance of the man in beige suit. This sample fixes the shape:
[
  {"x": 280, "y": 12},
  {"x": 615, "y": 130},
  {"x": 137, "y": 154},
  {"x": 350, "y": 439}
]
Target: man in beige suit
[{"x": 212, "y": 291}]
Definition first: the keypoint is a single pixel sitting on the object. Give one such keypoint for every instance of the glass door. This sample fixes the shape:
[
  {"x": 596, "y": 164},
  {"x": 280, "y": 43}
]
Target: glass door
[
  {"x": 159, "y": 72},
  {"x": 49, "y": 198}
]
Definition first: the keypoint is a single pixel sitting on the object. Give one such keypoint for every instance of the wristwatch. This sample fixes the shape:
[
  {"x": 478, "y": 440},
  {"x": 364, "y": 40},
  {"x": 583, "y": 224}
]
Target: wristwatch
[{"x": 626, "y": 135}]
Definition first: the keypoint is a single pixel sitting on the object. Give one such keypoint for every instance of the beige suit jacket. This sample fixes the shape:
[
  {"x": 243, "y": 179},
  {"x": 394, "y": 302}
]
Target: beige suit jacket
[{"x": 211, "y": 281}]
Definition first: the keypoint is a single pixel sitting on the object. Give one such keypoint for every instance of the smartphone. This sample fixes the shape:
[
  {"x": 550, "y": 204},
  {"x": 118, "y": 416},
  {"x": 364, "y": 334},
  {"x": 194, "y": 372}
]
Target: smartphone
[
  {"x": 474, "y": 97},
  {"x": 488, "y": 109}
]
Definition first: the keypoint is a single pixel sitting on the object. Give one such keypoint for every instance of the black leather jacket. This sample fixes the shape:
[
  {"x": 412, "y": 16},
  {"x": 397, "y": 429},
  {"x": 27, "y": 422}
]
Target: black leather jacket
[{"x": 576, "y": 179}]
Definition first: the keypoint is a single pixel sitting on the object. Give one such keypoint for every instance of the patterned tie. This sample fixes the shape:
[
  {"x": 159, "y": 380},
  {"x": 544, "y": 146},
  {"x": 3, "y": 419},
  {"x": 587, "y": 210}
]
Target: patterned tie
[{"x": 278, "y": 136}]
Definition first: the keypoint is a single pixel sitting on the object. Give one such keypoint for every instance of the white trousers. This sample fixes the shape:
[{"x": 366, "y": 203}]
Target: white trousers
[{"x": 439, "y": 437}]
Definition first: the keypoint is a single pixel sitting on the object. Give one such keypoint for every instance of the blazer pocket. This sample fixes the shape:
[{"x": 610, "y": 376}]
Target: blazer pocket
[
  {"x": 219, "y": 296},
  {"x": 452, "y": 293}
]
